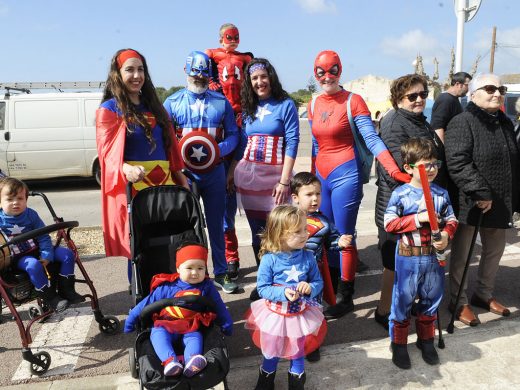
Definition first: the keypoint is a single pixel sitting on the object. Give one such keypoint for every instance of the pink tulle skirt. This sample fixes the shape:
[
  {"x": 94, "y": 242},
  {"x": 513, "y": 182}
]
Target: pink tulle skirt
[
  {"x": 255, "y": 183},
  {"x": 288, "y": 336}
]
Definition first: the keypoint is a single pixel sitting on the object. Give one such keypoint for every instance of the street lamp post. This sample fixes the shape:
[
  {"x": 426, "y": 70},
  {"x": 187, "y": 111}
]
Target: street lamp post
[{"x": 465, "y": 10}]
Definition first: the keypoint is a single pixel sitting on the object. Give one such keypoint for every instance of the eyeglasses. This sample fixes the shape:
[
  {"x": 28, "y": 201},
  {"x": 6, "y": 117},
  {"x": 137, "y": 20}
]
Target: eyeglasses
[
  {"x": 413, "y": 96},
  {"x": 491, "y": 89},
  {"x": 429, "y": 166}
]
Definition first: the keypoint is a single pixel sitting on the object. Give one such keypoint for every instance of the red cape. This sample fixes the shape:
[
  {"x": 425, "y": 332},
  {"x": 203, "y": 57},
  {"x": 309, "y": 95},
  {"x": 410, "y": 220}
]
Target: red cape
[{"x": 110, "y": 139}]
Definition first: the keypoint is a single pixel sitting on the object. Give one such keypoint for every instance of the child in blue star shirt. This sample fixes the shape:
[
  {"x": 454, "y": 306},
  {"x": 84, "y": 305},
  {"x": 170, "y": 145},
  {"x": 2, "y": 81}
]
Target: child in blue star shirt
[
  {"x": 288, "y": 321},
  {"x": 177, "y": 322},
  {"x": 32, "y": 256}
]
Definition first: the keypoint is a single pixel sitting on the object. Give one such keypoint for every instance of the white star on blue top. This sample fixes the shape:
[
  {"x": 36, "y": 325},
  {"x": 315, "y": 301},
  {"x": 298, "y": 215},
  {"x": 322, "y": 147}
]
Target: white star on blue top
[
  {"x": 262, "y": 111},
  {"x": 198, "y": 107},
  {"x": 293, "y": 274},
  {"x": 16, "y": 229}
]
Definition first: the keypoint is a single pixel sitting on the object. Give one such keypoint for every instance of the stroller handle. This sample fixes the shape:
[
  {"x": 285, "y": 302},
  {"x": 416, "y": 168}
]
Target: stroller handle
[
  {"x": 188, "y": 302},
  {"x": 40, "y": 232}
]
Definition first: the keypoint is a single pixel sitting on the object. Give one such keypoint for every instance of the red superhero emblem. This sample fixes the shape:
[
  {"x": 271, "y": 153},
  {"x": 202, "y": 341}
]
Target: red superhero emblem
[
  {"x": 231, "y": 74},
  {"x": 200, "y": 151},
  {"x": 314, "y": 225}
]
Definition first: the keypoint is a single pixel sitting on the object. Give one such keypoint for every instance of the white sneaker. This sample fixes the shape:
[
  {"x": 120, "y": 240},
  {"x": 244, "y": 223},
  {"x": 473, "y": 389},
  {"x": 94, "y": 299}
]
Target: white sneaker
[{"x": 173, "y": 368}]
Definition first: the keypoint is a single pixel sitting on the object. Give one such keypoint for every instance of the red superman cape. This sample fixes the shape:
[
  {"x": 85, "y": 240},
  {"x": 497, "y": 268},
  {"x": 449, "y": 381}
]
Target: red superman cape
[{"x": 110, "y": 139}]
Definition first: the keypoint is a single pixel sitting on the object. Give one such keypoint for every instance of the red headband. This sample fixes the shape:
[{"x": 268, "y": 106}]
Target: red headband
[
  {"x": 125, "y": 55},
  {"x": 191, "y": 252}
]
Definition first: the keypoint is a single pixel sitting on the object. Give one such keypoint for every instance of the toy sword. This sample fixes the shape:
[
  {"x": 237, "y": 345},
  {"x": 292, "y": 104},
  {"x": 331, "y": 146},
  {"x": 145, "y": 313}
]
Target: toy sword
[{"x": 432, "y": 215}]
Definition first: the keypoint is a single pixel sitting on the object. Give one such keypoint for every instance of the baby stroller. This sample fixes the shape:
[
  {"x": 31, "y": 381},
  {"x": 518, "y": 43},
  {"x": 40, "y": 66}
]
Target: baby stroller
[
  {"x": 16, "y": 288},
  {"x": 161, "y": 218}
]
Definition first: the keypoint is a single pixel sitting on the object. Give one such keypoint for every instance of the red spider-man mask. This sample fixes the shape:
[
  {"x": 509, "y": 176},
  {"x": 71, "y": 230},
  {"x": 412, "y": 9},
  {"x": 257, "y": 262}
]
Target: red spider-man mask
[
  {"x": 327, "y": 65},
  {"x": 231, "y": 36}
]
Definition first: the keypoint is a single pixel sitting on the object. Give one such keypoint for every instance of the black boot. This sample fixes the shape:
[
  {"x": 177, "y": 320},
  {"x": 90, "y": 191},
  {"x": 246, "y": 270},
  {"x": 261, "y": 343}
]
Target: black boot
[
  {"x": 314, "y": 356},
  {"x": 429, "y": 354},
  {"x": 296, "y": 381},
  {"x": 400, "y": 356},
  {"x": 66, "y": 289},
  {"x": 256, "y": 249},
  {"x": 52, "y": 299},
  {"x": 344, "y": 303},
  {"x": 265, "y": 380}
]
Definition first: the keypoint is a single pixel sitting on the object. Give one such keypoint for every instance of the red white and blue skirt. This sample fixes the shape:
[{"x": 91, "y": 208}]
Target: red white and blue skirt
[
  {"x": 257, "y": 174},
  {"x": 287, "y": 330}
]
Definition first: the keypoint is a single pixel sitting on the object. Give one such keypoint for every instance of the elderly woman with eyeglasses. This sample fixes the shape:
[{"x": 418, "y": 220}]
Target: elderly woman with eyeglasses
[
  {"x": 483, "y": 161},
  {"x": 408, "y": 96}
]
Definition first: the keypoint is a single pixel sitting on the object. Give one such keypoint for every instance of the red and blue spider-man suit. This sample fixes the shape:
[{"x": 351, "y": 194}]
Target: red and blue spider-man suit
[
  {"x": 230, "y": 66},
  {"x": 335, "y": 163}
]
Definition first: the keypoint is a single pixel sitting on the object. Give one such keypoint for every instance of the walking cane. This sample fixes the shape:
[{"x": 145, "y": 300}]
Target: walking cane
[
  {"x": 450, "y": 327},
  {"x": 439, "y": 327}
]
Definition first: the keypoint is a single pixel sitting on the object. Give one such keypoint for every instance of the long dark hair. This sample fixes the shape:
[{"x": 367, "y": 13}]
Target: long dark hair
[
  {"x": 250, "y": 98},
  {"x": 115, "y": 88}
]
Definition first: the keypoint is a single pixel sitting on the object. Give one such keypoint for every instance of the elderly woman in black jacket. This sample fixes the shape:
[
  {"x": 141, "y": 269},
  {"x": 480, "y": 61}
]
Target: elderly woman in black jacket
[
  {"x": 408, "y": 96},
  {"x": 483, "y": 162}
]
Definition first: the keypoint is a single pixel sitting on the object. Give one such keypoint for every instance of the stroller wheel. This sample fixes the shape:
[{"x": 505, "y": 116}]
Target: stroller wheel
[
  {"x": 42, "y": 365},
  {"x": 35, "y": 311},
  {"x": 109, "y": 325},
  {"x": 132, "y": 363}
]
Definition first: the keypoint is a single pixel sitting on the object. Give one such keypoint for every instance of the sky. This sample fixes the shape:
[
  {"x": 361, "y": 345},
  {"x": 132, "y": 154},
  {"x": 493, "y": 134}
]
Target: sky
[{"x": 74, "y": 40}]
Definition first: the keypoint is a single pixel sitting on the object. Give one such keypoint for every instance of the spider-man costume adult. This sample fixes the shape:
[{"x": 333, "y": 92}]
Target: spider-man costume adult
[
  {"x": 336, "y": 165},
  {"x": 228, "y": 79}
]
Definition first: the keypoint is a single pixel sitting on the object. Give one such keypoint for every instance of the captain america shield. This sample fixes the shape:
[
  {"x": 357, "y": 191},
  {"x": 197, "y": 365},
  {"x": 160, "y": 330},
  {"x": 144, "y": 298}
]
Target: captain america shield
[{"x": 199, "y": 151}]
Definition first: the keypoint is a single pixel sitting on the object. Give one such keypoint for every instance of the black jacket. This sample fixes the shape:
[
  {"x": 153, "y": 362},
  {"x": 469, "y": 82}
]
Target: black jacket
[
  {"x": 396, "y": 129},
  {"x": 483, "y": 161}
]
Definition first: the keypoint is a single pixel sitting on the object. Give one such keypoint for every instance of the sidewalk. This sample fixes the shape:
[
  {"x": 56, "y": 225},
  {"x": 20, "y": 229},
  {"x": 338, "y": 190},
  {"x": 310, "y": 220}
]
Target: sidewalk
[{"x": 485, "y": 356}]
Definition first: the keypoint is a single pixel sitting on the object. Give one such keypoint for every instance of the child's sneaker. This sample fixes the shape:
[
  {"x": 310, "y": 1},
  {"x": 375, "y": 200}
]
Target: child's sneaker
[
  {"x": 195, "y": 365},
  {"x": 173, "y": 368}
]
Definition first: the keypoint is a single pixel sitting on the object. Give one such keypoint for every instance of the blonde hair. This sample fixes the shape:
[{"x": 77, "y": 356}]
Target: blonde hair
[
  {"x": 224, "y": 27},
  {"x": 282, "y": 220}
]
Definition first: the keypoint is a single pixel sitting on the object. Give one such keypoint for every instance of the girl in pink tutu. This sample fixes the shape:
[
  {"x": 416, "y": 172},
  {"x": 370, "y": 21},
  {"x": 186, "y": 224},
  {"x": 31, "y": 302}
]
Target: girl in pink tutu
[{"x": 288, "y": 321}]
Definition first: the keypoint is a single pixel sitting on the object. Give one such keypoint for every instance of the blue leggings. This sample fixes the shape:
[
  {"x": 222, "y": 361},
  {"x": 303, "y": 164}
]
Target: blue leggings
[
  {"x": 341, "y": 194},
  {"x": 420, "y": 276},
  {"x": 37, "y": 274},
  {"x": 231, "y": 204},
  {"x": 212, "y": 187},
  {"x": 162, "y": 342},
  {"x": 297, "y": 366}
]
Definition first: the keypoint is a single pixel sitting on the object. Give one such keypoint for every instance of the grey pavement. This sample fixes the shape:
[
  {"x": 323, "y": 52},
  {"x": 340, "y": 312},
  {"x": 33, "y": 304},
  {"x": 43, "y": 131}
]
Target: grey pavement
[{"x": 356, "y": 351}]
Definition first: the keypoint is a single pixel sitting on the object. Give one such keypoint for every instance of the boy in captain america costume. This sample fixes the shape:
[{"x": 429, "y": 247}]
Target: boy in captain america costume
[
  {"x": 335, "y": 162},
  {"x": 228, "y": 75},
  {"x": 417, "y": 270},
  {"x": 176, "y": 321},
  {"x": 201, "y": 119}
]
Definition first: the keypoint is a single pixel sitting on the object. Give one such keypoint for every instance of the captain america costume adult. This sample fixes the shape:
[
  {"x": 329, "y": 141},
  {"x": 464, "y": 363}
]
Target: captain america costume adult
[
  {"x": 211, "y": 113},
  {"x": 422, "y": 275},
  {"x": 334, "y": 159}
]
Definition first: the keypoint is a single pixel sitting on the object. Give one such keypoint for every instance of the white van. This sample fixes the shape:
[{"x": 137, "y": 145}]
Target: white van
[{"x": 46, "y": 135}]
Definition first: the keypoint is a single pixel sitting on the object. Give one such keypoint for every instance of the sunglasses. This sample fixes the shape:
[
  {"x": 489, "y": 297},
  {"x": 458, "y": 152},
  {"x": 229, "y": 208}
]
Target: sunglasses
[
  {"x": 429, "y": 166},
  {"x": 491, "y": 89},
  {"x": 413, "y": 96}
]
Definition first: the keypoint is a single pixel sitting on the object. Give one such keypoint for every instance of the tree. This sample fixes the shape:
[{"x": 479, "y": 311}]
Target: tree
[
  {"x": 311, "y": 85},
  {"x": 163, "y": 93}
]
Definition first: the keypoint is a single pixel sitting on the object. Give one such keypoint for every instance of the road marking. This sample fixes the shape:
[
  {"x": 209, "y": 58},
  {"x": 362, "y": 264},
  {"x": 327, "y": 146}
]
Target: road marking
[{"x": 62, "y": 336}]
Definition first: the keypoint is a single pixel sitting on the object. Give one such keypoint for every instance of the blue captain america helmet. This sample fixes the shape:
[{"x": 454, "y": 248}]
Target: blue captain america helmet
[{"x": 198, "y": 64}]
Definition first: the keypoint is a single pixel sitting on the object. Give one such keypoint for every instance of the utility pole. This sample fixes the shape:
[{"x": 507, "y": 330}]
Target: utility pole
[{"x": 493, "y": 46}]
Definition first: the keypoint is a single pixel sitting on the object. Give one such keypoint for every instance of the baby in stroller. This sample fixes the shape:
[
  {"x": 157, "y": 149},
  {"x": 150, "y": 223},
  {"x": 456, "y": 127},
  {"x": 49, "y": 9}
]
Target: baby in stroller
[
  {"x": 33, "y": 256},
  {"x": 175, "y": 322}
]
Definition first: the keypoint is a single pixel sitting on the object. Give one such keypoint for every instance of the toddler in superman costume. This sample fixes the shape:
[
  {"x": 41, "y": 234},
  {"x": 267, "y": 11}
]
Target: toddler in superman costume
[
  {"x": 227, "y": 78},
  {"x": 418, "y": 273},
  {"x": 175, "y": 322}
]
